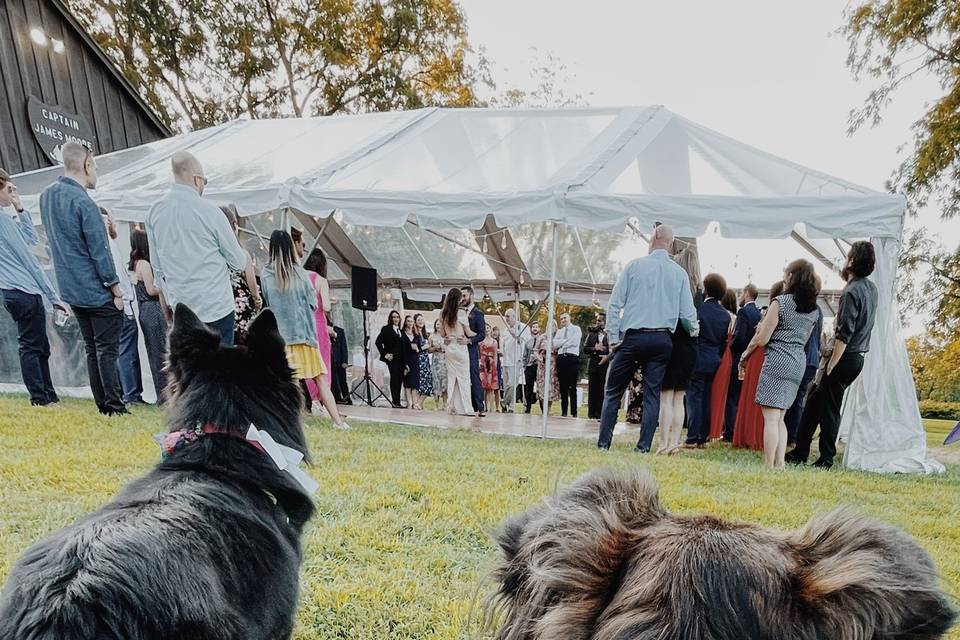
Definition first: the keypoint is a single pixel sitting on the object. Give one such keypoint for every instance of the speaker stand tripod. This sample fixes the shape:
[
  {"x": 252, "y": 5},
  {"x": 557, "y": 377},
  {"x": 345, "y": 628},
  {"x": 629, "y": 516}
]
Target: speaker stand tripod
[{"x": 367, "y": 382}]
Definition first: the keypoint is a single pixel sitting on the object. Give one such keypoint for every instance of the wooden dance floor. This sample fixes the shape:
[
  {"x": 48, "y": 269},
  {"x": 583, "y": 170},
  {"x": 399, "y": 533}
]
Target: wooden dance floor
[{"x": 510, "y": 424}]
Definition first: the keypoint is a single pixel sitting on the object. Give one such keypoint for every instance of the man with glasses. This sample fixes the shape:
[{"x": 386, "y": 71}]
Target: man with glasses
[
  {"x": 85, "y": 271},
  {"x": 193, "y": 249}
]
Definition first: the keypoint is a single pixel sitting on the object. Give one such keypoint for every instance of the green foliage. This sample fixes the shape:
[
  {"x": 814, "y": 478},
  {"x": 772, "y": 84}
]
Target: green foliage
[
  {"x": 401, "y": 542},
  {"x": 201, "y": 62},
  {"x": 931, "y": 409},
  {"x": 890, "y": 42}
]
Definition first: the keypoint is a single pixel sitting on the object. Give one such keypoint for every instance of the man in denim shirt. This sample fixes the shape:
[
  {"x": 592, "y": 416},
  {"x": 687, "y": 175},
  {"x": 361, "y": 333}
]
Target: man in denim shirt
[
  {"x": 24, "y": 288},
  {"x": 85, "y": 271}
]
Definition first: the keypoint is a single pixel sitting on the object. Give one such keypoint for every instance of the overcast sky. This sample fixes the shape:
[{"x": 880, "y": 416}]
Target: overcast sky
[{"x": 771, "y": 73}]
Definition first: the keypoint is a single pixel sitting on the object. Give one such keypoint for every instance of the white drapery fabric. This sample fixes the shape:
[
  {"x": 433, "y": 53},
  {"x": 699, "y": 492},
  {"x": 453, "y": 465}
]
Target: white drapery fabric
[{"x": 597, "y": 170}]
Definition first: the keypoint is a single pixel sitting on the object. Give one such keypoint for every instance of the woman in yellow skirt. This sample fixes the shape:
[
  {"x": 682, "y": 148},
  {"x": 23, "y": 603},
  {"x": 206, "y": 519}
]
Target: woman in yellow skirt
[{"x": 293, "y": 300}]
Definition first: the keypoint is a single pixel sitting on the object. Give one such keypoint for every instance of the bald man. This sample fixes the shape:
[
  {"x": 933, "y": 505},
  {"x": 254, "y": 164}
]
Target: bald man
[
  {"x": 85, "y": 271},
  {"x": 651, "y": 296},
  {"x": 193, "y": 249}
]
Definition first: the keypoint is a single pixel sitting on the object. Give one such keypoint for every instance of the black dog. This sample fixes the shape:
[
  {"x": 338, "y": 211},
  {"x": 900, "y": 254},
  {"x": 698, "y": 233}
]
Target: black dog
[
  {"x": 205, "y": 546},
  {"x": 603, "y": 560}
]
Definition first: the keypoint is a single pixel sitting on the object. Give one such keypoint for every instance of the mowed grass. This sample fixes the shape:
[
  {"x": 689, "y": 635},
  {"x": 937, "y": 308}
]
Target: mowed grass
[{"x": 401, "y": 542}]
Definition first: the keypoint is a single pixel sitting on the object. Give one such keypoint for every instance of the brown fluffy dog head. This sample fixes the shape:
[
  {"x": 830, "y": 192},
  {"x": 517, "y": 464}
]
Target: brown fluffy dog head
[{"x": 604, "y": 560}]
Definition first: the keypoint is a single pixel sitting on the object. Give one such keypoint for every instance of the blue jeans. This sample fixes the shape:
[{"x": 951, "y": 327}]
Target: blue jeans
[
  {"x": 225, "y": 327},
  {"x": 31, "y": 318},
  {"x": 128, "y": 362},
  {"x": 650, "y": 352}
]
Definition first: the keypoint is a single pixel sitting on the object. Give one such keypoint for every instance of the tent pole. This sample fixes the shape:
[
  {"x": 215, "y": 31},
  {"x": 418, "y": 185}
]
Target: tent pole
[
  {"x": 519, "y": 365},
  {"x": 552, "y": 300}
]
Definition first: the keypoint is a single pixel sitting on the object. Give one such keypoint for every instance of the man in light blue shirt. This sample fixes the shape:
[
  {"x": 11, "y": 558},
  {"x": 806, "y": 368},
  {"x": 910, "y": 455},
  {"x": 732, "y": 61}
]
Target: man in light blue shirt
[
  {"x": 24, "y": 288},
  {"x": 651, "y": 296},
  {"x": 193, "y": 249}
]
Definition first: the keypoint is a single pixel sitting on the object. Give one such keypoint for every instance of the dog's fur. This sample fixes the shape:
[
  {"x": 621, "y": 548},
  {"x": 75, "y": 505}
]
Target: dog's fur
[
  {"x": 603, "y": 560},
  {"x": 205, "y": 546}
]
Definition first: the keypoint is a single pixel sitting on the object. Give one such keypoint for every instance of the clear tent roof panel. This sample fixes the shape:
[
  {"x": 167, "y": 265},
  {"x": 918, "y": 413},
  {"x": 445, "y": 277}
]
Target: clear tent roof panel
[
  {"x": 479, "y": 150},
  {"x": 412, "y": 253}
]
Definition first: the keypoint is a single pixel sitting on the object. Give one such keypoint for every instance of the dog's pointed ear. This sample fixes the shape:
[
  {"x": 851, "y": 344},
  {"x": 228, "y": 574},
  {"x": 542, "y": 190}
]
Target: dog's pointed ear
[
  {"x": 866, "y": 579},
  {"x": 509, "y": 536},
  {"x": 190, "y": 338},
  {"x": 264, "y": 339}
]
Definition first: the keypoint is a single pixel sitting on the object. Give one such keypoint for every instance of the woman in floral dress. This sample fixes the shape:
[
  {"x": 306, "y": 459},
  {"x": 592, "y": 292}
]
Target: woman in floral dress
[
  {"x": 426, "y": 382},
  {"x": 541, "y": 348},
  {"x": 435, "y": 345},
  {"x": 246, "y": 294}
]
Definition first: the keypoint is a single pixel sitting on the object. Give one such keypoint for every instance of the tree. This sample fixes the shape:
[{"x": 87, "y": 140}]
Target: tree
[
  {"x": 892, "y": 41},
  {"x": 202, "y": 62}
]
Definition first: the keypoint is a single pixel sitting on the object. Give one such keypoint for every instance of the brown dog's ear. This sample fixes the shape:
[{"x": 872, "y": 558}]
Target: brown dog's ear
[
  {"x": 866, "y": 579},
  {"x": 563, "y": 558}
]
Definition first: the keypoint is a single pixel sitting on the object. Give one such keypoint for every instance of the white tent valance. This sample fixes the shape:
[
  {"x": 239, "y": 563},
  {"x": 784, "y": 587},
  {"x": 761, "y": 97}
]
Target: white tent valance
[
  {"x": 433, "y": 173},
  {"x": 588, "y": 168}
]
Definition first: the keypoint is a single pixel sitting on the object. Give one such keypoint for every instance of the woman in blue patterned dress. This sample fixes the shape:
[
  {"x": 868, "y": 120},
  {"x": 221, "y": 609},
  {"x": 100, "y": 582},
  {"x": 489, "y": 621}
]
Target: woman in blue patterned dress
[
  {"x": 784, "y": 331},
  {"x": 425, "y": 386}
]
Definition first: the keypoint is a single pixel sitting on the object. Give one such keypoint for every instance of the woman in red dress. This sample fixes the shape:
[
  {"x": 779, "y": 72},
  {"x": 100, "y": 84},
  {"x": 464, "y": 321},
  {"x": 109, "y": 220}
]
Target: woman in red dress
[
  {"x": 721, "y": 382},
  {"x": 748, "y": 430}
]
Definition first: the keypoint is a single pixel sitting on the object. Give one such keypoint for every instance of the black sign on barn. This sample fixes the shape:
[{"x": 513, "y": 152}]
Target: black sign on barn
[{"x": 53, "y": 126}]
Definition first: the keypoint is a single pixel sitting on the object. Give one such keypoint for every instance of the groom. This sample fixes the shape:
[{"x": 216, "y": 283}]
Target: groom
[{"x": 479, "y": 326}]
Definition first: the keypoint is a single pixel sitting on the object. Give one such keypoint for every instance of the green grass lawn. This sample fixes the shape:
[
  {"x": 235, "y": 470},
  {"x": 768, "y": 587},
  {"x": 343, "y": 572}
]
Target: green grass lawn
[{"x": 401, "y": 543}]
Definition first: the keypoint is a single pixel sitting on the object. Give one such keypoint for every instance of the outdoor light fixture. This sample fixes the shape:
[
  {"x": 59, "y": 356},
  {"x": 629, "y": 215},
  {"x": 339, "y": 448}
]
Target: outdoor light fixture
[
  {"x": 41, "y": 39},
  {"x": 38, "y": 36}
]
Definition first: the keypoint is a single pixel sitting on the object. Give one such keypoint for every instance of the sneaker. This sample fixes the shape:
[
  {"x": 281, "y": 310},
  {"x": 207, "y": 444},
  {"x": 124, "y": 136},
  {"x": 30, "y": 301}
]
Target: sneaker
[
  {"x": 343, "y": 426},
  {"x": 316, "y": 409}
]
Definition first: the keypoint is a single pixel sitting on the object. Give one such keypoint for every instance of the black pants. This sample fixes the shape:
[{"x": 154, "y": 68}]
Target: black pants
[
  {"x": 823, "y": 409},
  {"x": 529, "y": 386},
  {"x": 396, "y": 379},
  {"x": 100, "y": 328},
  {"x": 568, "y": 371},
  {"x": 698, "y": 400},
  {"x": 733, "y": 399},
  {"x": 596, "y": 381},
  {"x": 31, "y": 318},
  {"x": 477, "y": 395},
  {"x": 338, "y": 384},
  {"x": 649, "y": 352},
  {"x": 793, "y": 414}
]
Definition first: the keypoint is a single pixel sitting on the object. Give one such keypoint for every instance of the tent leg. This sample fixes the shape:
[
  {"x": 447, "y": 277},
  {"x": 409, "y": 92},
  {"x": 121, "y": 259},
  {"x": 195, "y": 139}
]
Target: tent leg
[
  {"x": 551, "y": 301},
  {"x": 519, "y": 365}
]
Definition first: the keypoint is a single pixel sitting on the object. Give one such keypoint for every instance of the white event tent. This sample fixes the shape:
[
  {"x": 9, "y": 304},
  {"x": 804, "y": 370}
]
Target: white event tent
[{"x": 514, "y": 199}]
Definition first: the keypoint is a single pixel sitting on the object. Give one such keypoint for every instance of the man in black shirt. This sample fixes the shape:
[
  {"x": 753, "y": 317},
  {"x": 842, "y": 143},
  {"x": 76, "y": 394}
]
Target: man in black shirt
[{"x": 854, "y": 323}]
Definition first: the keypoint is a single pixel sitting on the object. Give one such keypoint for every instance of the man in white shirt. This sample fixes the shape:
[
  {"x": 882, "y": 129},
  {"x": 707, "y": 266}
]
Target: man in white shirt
[
  {"x": 566, "y": 344},
  {"x": 193, "y": 249},
  {"x": 511, "y": 342}
]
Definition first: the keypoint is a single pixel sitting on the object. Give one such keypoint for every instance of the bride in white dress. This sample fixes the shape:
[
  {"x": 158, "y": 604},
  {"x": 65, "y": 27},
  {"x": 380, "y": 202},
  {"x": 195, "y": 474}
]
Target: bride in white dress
[{"x": 456, "y": 333}]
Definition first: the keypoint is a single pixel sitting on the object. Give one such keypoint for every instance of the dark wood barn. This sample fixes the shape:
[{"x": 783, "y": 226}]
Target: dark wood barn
[{"x": 57, "y": 82}]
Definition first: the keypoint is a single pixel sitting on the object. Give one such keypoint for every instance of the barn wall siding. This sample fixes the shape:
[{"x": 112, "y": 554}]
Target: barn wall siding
[{"x": 78, "y": 80}]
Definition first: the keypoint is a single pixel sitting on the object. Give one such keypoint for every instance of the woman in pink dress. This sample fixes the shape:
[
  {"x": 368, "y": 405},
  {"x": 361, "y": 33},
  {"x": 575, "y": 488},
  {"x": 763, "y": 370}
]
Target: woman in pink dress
[{"x": 316, "y": 267}]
